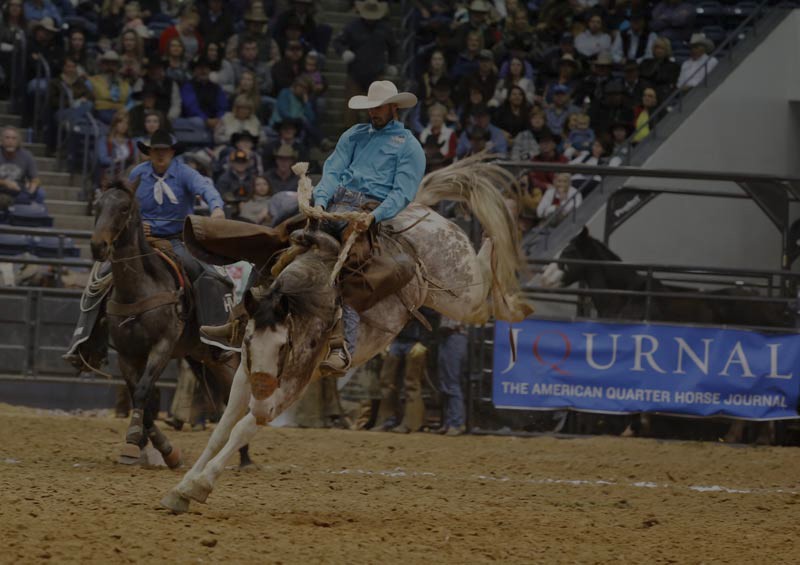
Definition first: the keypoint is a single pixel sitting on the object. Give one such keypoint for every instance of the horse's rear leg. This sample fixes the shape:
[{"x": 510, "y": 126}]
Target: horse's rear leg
[{"x": 236, "y": 408}]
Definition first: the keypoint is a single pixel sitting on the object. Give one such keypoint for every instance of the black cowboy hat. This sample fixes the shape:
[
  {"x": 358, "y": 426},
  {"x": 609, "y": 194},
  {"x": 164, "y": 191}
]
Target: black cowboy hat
[
  {"x": 244, "y": 134},
  {"x": 160, "y": 140},
  {"x": 288, "y": 122},
  {"x": 148, "y": 89}
]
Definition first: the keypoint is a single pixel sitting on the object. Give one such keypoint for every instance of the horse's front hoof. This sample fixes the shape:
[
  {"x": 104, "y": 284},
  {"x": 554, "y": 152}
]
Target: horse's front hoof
[
  {"x": 175, "y": 503},
  {"x": 248, "y": 466},
  {"x": 198, "y": 489},
  {"x": 173, "y": 460},
  {"x": 130, "y": 454}
]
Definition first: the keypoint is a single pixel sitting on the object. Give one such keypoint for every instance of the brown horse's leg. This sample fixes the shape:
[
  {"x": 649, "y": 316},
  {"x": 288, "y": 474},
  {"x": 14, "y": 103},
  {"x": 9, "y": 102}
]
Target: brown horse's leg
[{"x": 135, "y": 439}]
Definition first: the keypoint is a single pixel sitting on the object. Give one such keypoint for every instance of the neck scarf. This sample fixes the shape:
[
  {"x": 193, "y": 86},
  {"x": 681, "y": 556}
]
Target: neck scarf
[{"x": 161, "y": 188}]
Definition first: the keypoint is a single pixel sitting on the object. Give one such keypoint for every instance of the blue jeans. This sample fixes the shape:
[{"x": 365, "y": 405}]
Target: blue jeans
[
  {"x": 347, "y": 201},
  {"x": 452, "y": 354}
]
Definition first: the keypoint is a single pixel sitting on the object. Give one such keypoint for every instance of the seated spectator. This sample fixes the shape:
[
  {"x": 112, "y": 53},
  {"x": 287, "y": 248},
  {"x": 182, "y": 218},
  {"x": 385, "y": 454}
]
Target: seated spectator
[
  {"x": 186, "y": 30},
  {"x": 559, "y": 198},
  {"x": 148, "y": 104},
  {"x": 132, "y": 20},
  {"x": 478, "y": 139},
  {"x": 620, "y": 131},
  {"x": 216, "y": 23},
  {"x": 111, "y": 91},
  {"x": 300, "y": 13},
  {"x": 115, "y": 151},
  {"x": 437, "y": 129},
  {"x": 594, "y": 39},
  {"x": 635, "y": 44},
  {"x": 695, "y": 69},
  {"x": 177, "y": 67},
  {"x": 38, "y": 10},
  {"x": 288, "y": 134},
  {"x": 514, "y": 78},
  {"x": 552, "y": 59},
  {"x": 221, "y": 68},
  {"x": 598, "y": 155},
  {"x": 467, "y": 61},
  {"x": 592, "y": 87},
  {"x": 568, "y": 69},
  {"x": 581, "y": 136},
  {"x": 434, "y": 160},
  {"x": 548, "y": 153},
  {"x": 248, "y": 87},
  {"x": 256, "y": 209},
  {"x": 644, "y": 114},
  {"x": 512, "y": 116},
  {"x": 478, "y": 22},
  {"x": 255, "y": 25},
  {"x": 436, "y": 71},
  {"x": 240, "y": 118},
  {"x": 78, "y": 52},
  {"x": 45, "y": 43},
  {"x": 248, "y": 61},
  {"x": 474, "y": 99},
  {"x": 281, "y": 177},
  {"x": 70, "y": 98},
  {"x": 612, "y": 109},
  {"x": 112, "y": 17},
  {"x": 318, "y": 82},
  {"x": 167, "y": 91},
  {"x": 632, "y": 84},
  {"x": 485, "y": 79},
  {"x": 418, "y": 118},
  {"x": 19, "y": 178},
  {"x": 661, "y": 71},
  {"x": 556, "y": 114},
  {"x": 517, "y": 49},
  {"x": 245, "y": 141},
  {"x": 288, "y": 68},
  {"x": 131, "y": 56},
  {"x": 204, "y": 103},
  {"x": 295, "y": 103},
  {"x": 153, "y": 121},
  {"x": 236, "y": 183},
  {"x": 526, "y": 144},
  {"x": 480, "y": 119},
  {"x": 673, "y": 19}
]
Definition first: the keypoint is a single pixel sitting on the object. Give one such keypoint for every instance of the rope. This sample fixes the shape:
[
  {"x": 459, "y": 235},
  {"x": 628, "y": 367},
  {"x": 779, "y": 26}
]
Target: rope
[
  {"x": 97, "y": 288},
  {"x": 98, "y": 371},
  {"x": 304, "y": 194}
]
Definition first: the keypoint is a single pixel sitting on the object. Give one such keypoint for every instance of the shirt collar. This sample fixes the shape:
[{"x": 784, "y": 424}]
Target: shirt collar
[
  {"x": 391, "y": 126},
  {"x": 170, "y": 172}
]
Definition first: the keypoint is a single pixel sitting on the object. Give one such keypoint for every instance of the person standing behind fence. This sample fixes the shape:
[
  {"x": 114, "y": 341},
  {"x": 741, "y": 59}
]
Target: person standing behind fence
[{"x": 451, "y": 361}]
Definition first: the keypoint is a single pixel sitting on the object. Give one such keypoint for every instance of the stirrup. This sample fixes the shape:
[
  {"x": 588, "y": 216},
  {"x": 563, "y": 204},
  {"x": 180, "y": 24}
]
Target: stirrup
[
  {"x": 229, "y": 335},
  {"x": 337, "y": 363}
]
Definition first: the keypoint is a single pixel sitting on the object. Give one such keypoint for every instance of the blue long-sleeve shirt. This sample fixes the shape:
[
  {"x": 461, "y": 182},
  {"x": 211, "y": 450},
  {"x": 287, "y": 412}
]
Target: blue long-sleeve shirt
[
  {"x": 167, "y": 218},
  {"x": 192, "y": 107},
  {"x": 385, "y": 164}
]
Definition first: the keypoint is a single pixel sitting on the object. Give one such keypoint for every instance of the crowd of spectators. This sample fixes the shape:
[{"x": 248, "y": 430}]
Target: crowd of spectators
[
  {"x": 209, "y": 71},
  {"x": 550, "y": 81}
]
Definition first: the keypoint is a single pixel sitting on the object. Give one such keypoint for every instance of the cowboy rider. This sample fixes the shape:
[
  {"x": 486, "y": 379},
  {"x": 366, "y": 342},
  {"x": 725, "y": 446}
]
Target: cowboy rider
[{"x": 377, "y": 165}]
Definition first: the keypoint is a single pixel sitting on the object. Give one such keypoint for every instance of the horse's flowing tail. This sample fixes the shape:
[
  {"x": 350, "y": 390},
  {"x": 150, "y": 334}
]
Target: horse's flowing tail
[{"x": 481, "y": 185}]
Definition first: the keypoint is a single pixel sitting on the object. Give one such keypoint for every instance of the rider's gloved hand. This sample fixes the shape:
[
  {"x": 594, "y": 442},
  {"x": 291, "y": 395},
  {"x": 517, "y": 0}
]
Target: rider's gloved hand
[
  {"x": 218, "y": 214},
  {"x": 363, "y": 223}
]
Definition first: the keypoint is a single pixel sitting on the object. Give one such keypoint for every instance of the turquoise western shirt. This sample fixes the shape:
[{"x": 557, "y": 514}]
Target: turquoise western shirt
[{"x": 385, "y": 164}]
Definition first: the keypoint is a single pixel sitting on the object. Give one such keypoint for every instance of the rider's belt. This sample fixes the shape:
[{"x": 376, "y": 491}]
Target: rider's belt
[{"x": 355, "y": 198}]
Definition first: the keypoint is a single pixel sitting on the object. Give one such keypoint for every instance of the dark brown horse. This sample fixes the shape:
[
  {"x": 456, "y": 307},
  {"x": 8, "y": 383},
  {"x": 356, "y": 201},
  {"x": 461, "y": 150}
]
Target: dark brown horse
[{"x": 147, "y": 319}]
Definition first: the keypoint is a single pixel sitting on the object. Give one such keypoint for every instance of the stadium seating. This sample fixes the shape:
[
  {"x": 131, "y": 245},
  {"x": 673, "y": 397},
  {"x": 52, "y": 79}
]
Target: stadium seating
[{"x": 30, "y": 215}]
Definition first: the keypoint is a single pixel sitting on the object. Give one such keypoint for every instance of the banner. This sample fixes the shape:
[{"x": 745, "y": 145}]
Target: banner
[{"x": 624, "y": 368}]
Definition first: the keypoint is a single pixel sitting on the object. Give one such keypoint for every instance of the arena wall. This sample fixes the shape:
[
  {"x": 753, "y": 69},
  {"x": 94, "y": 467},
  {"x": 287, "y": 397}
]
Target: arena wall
[{"x": 749, "y": 123}]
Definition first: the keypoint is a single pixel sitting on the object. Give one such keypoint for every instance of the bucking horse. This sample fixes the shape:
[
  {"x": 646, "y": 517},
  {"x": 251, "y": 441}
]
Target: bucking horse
[{"x": 292, "y": 314}]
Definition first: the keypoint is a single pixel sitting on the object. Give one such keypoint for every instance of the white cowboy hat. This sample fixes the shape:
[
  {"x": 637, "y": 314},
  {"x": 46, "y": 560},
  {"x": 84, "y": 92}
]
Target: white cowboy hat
[
  {"x": 372, "y": 9},
  {"x": 701, "y": 39},
  {"x": 382, "y": 92}
]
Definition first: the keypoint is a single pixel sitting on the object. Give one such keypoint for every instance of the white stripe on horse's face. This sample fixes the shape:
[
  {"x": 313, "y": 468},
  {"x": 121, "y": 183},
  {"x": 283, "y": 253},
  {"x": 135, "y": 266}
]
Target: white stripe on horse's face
[
  {"x": 552, "y": 276},
  {"x": 262, "y": 349}
]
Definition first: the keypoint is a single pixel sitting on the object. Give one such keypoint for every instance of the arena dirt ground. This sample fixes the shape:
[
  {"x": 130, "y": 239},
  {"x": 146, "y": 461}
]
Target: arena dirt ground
[{"x": 359, "y": 497}]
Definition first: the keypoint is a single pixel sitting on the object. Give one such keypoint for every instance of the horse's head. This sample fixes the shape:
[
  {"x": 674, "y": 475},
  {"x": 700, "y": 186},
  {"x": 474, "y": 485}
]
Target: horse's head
[
  {"x": 583, "y": 246},
  {"x": 115, "y": 211},
  {"x": 291, "y": 320}
]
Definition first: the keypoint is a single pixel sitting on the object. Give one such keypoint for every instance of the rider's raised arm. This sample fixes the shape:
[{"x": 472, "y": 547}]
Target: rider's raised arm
[
  {"x": 408, "y": 175},
  {"x": 333, "y": 168},
  {"x": 202, "y": 186}
]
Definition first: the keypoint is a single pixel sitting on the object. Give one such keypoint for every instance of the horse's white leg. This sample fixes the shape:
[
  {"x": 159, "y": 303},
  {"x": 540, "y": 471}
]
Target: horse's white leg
[{"x": 236, "y": 408}]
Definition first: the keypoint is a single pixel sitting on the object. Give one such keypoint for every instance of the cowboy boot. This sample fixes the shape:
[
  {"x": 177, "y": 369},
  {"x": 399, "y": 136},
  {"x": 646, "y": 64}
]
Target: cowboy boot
[
  {"x": 231, "y": 332},
  {"x": 337, "y": 363}
]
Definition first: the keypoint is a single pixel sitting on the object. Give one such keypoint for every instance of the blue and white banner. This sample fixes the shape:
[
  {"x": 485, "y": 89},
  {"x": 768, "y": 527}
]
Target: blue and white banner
[{"x": 624, "y": 368}]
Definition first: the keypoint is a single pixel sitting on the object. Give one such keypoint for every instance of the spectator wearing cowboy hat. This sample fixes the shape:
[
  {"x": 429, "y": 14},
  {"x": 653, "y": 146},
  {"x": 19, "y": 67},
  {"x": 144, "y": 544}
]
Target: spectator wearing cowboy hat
[
  {"x": 288, "y": 130},
  {"x": 45, "y": 43},
  {"x": 111, "y": 92},
  {"x": 695, "y": 69},
  {"x": 236, "y": 183},
  {"x": 255, "y": 22},
  {"x": 241, "y": 117},
  {"x": 552, "y": 59},
  {"x": 379, "y": 164},
  {"x": 369, "y": 48},
  {"x": 281, "y": 177},
  {"x": 592, "y": 86},
  {"x": 478, "y": 20},
  {"x": 204, "y": 103}
]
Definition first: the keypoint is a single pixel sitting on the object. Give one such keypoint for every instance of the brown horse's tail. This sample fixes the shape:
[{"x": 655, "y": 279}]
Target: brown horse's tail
[{"x": 481, "y": 185}]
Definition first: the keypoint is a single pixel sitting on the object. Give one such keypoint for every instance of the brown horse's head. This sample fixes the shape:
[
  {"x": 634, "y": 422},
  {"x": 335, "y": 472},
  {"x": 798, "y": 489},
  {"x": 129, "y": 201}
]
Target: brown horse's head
[
  {"x": 116, "y": 215},
  {"x": 291, "y": 320}
]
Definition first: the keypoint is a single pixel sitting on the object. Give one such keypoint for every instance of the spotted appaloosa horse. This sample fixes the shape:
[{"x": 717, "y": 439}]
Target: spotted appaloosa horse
[
  {"x": 149, "y": 336},
  {"x": 292, "y": 318}
]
